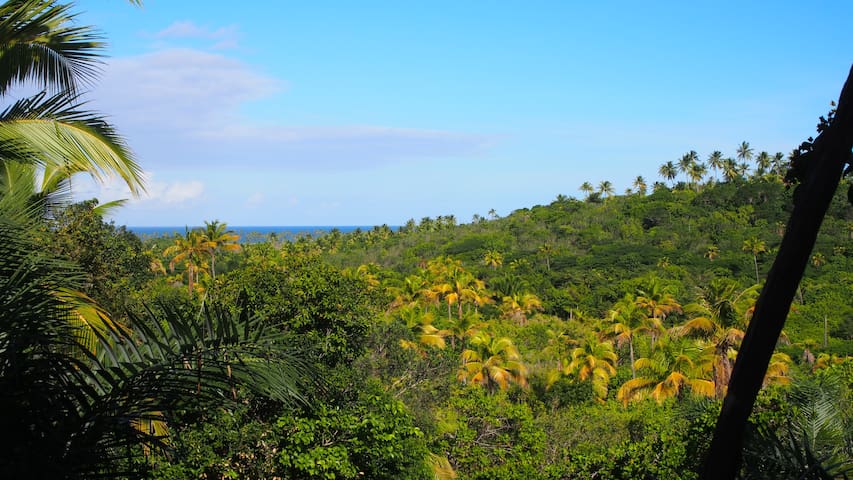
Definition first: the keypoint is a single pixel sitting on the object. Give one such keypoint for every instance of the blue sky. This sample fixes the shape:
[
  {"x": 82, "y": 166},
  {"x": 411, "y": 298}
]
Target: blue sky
[{"x": 363, "y": 113}]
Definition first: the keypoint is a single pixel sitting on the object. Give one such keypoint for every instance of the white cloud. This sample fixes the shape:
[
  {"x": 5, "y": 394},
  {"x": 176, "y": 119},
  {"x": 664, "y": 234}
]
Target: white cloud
[
  {"x": 224, "y": 37},
  {"x": 175, "y": 192},
  {"x": 179, "y": 89},
  {"x": 254, "y": 200},
  {"x": 158, "y": 193},
  {"x": 183, "y": 107}
]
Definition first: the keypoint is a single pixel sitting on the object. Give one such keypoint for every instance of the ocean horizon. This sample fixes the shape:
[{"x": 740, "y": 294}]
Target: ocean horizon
[{"x": 249, "y": 231}]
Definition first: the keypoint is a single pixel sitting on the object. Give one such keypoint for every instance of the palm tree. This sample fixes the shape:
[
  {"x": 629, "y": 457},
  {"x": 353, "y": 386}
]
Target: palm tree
[
  {"x": 670, "y": 371},
  {"x": 605, "y": 188},
  {"x": 762, "y": 163},
  {"x": 413, "y": 289},
  {"x": 189, "y": 249},
  {"x": 587, "y": 188},
  {"x": 640, "y": 185},
  {"x": 492, "y": 363},
  {"x": 219, "y": 238},
  {"x": 668, "y": 171},
  {"x": 595, "y": 360},
  {"x": 465, "y": 327},
  {"x": 627, "y": 321},
  {"x": 686, "y": 162},
  {"x": 697, "y": 171},
  {"x": 425, "y": 333},
  {"x": 546, "y": 250},
  {"x": 744, "y": 152},
  {"x": 720, "y": 317},
  {"x": 778, "y": 165},
  {"x": 656, "y": 300},
  {"x": 519, "y": 305},
  {"x": 715, "y": 161},
  {"x": 712, "y": 252},
  {"x": 493, "y": 258},
  {"x": 754, "y": 246},
  {"x": 730, "y": 170},
  {"x": 42, "y": 47},
  {"x": 456, "y": 285}
]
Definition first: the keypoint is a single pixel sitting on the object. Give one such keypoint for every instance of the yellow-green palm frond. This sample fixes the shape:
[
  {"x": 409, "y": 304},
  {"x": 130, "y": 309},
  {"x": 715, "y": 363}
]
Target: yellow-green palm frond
[
  {"x": 90, "y": 320},
  {"x": 440, "y": 466},
  {"x": 634, "y": 389},
  {"x": 51, "y": 132},
  {"x": 702, "y": 387}
]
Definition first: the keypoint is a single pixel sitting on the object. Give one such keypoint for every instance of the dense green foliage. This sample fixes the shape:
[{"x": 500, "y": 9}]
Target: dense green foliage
[
  {"x": 587, "y": 338},
  {"x": 573, "y": 340}
]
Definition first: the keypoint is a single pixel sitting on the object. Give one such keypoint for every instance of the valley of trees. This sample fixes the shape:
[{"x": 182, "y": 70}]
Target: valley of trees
[{"x": 587, "y": 338}]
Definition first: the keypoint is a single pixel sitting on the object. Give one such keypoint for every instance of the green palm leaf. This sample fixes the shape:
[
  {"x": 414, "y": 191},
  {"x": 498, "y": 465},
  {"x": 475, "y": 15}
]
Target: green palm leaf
[{"x": 39, "y": 43}]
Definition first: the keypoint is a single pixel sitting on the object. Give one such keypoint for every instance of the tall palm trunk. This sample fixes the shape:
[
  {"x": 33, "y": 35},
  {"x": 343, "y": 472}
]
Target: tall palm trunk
[
  {"x": 631, "y": 351},
  {"x": 722, "y": 370},
  {"x": 191, "y": 276}
]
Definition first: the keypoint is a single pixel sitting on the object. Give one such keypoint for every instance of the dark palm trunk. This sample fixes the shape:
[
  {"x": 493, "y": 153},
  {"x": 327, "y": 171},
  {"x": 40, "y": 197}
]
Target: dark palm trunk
[{"x": 820, "y": 172}]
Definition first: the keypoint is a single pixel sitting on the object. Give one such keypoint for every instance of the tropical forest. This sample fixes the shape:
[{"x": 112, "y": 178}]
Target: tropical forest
[{"x": 595, "y": 336}]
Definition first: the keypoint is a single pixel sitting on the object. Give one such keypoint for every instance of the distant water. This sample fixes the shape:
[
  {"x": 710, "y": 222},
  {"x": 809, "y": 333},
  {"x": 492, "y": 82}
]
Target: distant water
[{"x": 256, "y": 232}]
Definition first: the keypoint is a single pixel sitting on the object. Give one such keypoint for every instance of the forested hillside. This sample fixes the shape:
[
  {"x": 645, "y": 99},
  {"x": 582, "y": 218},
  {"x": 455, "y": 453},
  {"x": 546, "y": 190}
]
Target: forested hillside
[
  {"x": 588, "y": 338},
  {"x": 581, "y": 338}
]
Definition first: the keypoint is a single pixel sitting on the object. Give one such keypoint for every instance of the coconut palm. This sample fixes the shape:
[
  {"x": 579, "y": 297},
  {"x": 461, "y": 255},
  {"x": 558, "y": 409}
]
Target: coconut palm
[
  {"x": 464, "y": 327},
  {"x": 493, "y": 258},
  {"x": 712, "y": 253},
  {"x": 605, "y": 188},
  {"x": 547, "y": 250},
  {"x": 744, "y": 152},
  {"x": 762, "y": 163},
  {"x": 673, "y": 369},
  {"x": 696, "y": 172},
  {"x": 720, "y": 317},
  {"x": 595, "y": 360},
  {"x": 492, "y": 363},
  {"x": 657, "y": 301},
  {"x": 755, "y": 247},
  {"x": 220, "y": 238},
  {"x": 686, "y": 162},
  {"x": 628, "y": 321},
  {"x": 190, "y": 250},
  {"x": 715, "y": 161},
  {"x": 414, "y": 290},
  {"x": 730, "y": 170},
  {"x": 420, "y": 324},
  {"x": 587, "y": 188},
  {"x": 519, "y": 305},
  {"x": 668, "y": 171},
  {"x": 640, "y": 185},
  {"x": 778, "y": 165}
]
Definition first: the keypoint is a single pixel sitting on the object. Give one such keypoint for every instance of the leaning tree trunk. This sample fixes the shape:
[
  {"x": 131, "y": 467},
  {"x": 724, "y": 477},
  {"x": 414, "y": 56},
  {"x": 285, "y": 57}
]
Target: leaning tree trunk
[{"x": 819, "y": 170}]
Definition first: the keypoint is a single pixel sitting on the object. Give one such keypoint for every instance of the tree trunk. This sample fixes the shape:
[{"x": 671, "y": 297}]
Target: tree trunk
[
  {"x": 631, "y": 350},
  {"x": 755, "y": 262},
  {"x": 822, "y": 171},
  {"x": 190, "y": 277}
]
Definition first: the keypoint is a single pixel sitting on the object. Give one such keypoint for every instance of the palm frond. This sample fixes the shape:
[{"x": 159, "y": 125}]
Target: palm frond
[
  {"x": 52, "y": 130},
  {"x": 39, "y": 43}
]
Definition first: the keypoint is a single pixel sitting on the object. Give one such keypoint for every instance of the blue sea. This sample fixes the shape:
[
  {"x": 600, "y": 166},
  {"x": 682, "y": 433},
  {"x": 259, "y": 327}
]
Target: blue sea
[{"x": 254, "y": 232}]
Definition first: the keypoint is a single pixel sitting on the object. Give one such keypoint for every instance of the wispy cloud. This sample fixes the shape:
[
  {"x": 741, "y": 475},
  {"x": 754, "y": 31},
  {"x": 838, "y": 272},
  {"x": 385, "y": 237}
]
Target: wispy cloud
[
  {"x": 185, "y": 107},
  {"x": 159, "y": 194},
  {"x": 255, "y": 200},
  {"x": 223, "y": 37}
]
